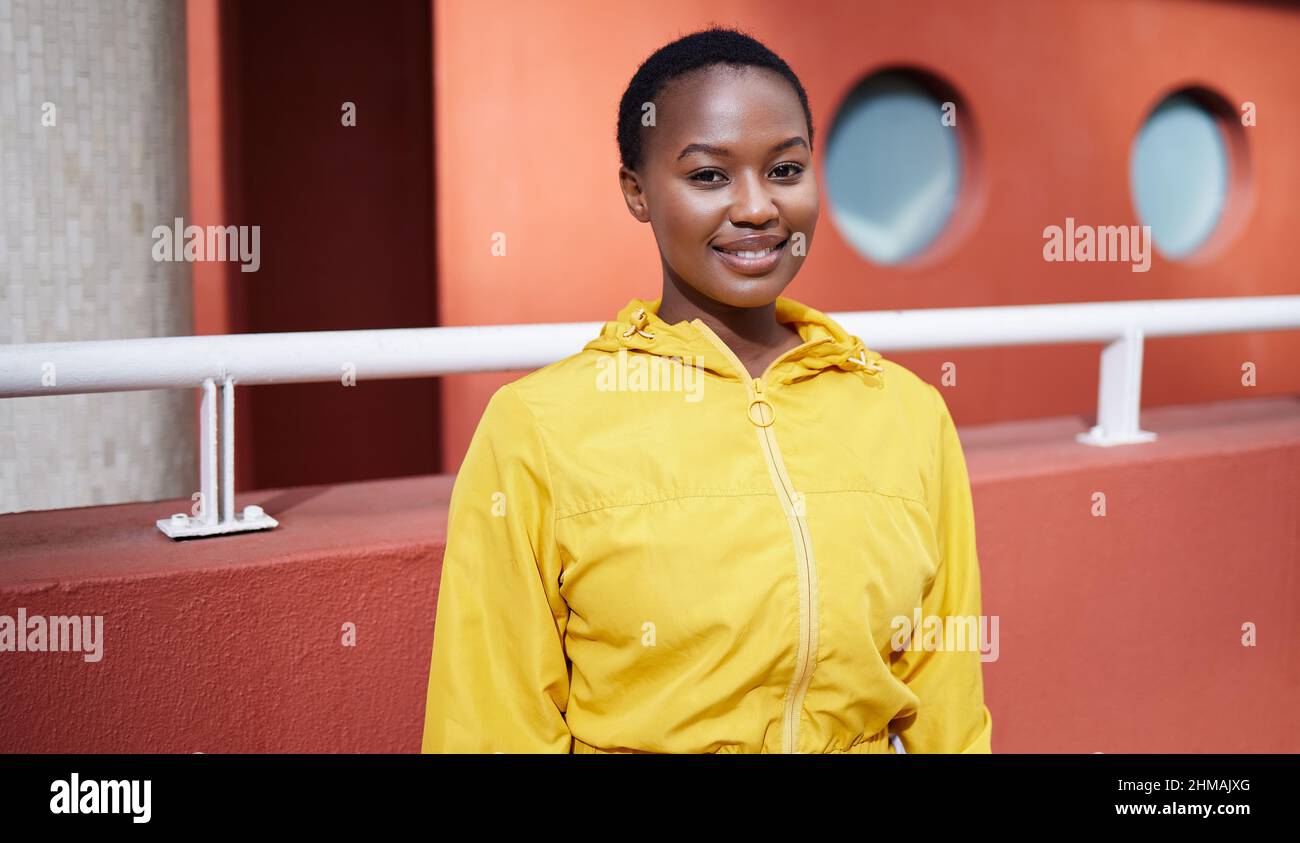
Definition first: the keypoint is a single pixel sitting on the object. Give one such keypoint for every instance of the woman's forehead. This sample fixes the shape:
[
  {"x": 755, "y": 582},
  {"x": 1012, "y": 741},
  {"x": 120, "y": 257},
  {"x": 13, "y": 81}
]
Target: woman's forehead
[{"x": 726, "y": 106}]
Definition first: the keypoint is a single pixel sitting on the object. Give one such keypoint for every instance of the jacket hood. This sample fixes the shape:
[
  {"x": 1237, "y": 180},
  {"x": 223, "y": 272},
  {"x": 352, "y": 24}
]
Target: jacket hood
[{"x": 637, "y": 327}]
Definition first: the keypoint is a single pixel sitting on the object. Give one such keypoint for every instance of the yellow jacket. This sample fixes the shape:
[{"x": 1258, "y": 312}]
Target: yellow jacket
[{"x": 634, "y": 563}]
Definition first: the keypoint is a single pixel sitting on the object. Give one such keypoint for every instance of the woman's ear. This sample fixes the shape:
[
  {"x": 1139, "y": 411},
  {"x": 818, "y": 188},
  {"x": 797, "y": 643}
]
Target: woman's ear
[{"x": 633, "y": 195}]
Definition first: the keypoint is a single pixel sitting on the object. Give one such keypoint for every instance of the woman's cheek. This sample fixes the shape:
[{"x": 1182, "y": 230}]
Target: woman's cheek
[{"x": 804, "y": 221}]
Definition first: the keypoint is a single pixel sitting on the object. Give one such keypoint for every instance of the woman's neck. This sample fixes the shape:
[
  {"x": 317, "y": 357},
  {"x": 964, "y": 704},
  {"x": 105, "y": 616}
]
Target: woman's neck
[{"x": 752, "y": 333}]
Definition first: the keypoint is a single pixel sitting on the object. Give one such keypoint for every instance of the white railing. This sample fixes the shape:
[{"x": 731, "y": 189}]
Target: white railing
[{"x": 216, "y": 363}]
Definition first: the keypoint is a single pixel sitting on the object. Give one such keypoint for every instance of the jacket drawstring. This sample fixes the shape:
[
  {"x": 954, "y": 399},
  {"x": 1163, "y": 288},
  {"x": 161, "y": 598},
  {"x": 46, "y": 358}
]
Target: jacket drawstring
[
  {"x": 868, "y": 363},
  {"x": 639, "y": 320}
]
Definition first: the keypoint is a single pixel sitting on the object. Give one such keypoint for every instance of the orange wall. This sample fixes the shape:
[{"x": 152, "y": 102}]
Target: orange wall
[{"x": 525, "y": 101}]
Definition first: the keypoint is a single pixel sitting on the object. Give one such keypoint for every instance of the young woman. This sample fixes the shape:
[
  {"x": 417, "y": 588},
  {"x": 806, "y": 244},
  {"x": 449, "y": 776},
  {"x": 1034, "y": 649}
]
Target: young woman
[{"x": 725, "y": 525}]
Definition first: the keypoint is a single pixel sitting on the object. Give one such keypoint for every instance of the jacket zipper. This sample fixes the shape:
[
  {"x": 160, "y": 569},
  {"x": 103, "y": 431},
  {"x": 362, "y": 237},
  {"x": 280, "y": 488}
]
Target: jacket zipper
[{"x": 807, "y": 568}]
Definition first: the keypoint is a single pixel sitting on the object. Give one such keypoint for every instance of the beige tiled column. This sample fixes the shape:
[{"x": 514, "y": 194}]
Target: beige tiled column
[{"x": 92, "y": 157}]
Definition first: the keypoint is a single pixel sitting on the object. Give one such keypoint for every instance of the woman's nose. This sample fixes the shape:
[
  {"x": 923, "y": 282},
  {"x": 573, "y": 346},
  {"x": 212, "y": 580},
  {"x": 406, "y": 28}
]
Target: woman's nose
[{"x": 752, "y": 204}]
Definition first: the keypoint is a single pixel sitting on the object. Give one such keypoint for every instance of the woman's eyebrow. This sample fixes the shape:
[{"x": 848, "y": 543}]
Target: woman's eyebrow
[{"x": 723, "y": 152}]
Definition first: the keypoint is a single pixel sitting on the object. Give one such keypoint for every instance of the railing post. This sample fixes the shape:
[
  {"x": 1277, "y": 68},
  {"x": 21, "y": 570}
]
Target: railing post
[
  {"x": 1119, "y": 394},
  {"x": 227, "y": 450},
  {"x": 207, "y": 523},
  {"x": 208, "y": 454}
]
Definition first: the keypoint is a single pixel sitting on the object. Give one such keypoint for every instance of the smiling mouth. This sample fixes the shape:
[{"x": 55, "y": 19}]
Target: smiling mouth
[
  {"x": 750, "y": 254},
  {"x": 752, "y": 261}
]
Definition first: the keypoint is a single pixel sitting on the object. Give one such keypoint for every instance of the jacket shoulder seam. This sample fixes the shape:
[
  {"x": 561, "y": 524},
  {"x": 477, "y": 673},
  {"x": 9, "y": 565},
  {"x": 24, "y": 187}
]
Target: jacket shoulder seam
[
  {"x": 734, "y": 493},
  {"x": 699, "y": 493}
]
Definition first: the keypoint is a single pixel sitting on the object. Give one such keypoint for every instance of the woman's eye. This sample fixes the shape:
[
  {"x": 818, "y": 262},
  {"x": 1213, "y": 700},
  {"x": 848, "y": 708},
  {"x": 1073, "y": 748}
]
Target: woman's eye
[
  {"x": 787, "y": 170},
  {"x": 702, "y": 176}
]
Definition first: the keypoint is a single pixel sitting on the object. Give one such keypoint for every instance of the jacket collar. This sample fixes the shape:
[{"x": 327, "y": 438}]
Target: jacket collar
[{"x": 637, "y": 327}]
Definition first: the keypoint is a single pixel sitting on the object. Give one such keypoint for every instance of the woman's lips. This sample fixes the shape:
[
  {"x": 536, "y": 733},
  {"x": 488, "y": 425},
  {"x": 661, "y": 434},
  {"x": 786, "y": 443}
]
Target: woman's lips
[{"x": 752, "y": 265}]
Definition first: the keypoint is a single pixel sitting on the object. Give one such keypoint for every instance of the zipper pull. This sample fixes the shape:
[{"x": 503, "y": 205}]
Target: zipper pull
[{"x": 761, "y": 412}]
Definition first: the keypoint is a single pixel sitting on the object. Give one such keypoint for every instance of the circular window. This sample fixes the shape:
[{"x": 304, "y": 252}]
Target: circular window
[
  {"x": 1180, "y": 172},
  {"x": 894, "y": 165}
]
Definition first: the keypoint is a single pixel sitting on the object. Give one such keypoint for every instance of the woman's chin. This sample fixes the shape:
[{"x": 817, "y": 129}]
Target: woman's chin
[{"x": 747, "y": 292}]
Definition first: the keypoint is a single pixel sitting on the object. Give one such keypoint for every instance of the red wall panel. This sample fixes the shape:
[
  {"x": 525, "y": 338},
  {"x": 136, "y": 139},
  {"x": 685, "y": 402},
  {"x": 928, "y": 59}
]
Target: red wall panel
[{"x": 526, "y": 100}]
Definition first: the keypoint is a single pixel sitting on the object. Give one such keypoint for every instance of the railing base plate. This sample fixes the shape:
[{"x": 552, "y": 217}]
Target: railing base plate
[
  {"x": 194, "y": 528},
  {"x": 1100, "y": 438}
]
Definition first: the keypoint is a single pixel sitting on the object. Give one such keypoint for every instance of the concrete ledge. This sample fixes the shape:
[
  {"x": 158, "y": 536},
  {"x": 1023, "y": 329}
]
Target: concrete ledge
[
  {"x": 229, "y": 644},
  {"x": 1118, "y": 633}
]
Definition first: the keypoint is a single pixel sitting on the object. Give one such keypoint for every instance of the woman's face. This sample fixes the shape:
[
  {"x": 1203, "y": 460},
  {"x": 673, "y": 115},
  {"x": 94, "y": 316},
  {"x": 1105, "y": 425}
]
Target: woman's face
[{"x": 726, "y": 182}]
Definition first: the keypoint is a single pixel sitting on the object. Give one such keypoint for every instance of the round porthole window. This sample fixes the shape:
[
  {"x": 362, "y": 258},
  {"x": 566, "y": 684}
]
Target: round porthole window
[
  {"x": 894, "y": 165},
  {"x": 1181, "y": 171}
]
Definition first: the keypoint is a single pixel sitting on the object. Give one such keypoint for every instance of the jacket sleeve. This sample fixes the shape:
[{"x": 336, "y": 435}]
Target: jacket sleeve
[
  {"x": 499, "y": 676},
  {"x": 952, "y": 717}
]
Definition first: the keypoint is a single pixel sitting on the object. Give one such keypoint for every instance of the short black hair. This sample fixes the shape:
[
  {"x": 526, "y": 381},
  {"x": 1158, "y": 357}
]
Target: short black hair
[{"x": 707, "y": 47}]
